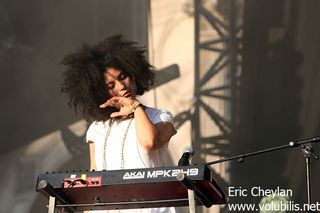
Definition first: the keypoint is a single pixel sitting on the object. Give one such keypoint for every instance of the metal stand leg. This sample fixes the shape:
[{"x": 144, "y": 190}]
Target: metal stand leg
[
  {"x": 192, "y": 201},
  {"x": 308, "y": 162},
  {"x": 192, "y": 191},
  {"x": 308, "y": 153},
  {"x": 52, "y": 205}
]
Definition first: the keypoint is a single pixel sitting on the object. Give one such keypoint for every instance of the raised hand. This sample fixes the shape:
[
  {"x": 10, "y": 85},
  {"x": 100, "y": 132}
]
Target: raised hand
[{"x": 125, "y": 105}]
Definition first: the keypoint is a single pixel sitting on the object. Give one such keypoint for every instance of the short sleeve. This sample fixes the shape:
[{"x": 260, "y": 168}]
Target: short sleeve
[
  {"x": 94, "y": 132},
  {"x": 161, "y": 115},
  {"x": 90, "y": 135}
]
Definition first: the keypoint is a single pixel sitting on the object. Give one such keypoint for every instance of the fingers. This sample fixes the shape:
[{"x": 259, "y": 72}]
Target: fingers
[
  {"x": 117, "y": 102},
  {"x": 115, "y": 114},
  {"x": 104, "y": 105},
  {"x": 114, "y": 102},
  {"x": 121, "y": 104},
  {"x": 120, "y": 114}
]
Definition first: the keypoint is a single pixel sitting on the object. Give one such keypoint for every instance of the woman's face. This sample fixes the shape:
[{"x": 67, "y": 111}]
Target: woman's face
[{"x": 119, "y": 83}]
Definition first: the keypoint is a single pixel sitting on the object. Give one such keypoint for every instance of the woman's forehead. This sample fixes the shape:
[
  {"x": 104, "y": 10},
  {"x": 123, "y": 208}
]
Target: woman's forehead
[{"x": 112, "y": 73}]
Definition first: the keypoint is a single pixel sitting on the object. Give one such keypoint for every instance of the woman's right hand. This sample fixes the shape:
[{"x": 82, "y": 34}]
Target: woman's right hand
[{"x": 125, "y": 106}]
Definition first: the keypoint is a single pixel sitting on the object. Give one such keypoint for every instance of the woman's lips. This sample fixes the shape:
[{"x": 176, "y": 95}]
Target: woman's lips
[{"x": 127, "y": 94}]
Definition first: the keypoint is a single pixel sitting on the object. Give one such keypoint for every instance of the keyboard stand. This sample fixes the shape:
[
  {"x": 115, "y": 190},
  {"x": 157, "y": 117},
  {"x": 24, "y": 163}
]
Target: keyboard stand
[
  {"x": 52, "y": 205},
  {"x": 192, "y": 201},
  {"x": 193, "y": 192}
]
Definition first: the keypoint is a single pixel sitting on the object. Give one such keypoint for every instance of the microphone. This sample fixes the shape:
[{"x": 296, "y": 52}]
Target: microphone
[{"x": 186, "y": 156}]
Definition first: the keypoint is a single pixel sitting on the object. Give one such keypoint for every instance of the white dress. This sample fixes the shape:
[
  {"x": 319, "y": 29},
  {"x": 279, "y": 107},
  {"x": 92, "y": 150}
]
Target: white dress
[{"x": 134, "y": 156}]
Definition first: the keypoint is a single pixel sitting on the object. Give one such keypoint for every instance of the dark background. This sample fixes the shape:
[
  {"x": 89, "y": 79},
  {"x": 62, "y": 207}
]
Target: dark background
[
  {"x": 34, "y": 37},
  {"x": 279, "y": 96},
  {"x": 279, "y": 92}
]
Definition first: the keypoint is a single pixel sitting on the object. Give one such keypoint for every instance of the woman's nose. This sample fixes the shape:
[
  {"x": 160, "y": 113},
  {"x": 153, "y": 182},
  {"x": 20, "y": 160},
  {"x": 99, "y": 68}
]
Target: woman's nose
[{"x": 120, "y": 85}]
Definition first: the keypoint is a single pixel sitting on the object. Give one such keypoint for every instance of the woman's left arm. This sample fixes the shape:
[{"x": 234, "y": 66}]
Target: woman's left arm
[{"x": 151, "y": 136}]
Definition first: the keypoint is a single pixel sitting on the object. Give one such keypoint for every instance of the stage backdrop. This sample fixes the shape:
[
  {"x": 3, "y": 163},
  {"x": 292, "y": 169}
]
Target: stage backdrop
[
  {"x": 277, "y": 89},
  {"x": 39, "y": 133}
]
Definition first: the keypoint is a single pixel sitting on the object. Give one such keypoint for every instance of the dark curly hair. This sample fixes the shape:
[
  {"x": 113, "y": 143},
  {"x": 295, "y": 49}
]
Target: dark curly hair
[{"x": 84, "y": 82}]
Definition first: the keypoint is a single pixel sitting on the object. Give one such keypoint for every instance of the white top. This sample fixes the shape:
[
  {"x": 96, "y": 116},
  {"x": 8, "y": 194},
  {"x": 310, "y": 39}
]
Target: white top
[{"x": 135, "y": 156}]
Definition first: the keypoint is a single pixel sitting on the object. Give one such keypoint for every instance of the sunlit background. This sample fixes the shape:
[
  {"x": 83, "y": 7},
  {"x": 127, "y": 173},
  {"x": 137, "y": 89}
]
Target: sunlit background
[{"x": 238, "y": 75}]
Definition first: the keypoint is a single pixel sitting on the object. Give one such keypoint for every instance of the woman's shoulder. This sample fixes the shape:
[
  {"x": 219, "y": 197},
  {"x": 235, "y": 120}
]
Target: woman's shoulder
[
  {"x": 154, "y": 111},
  {"x": 97, "y": 126},
  {"x": 158, "y": 115},
  {"x": 95, "y": 131}
]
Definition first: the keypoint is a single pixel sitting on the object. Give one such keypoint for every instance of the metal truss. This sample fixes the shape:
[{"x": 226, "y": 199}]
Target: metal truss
[{"x": 219, "y": 36}]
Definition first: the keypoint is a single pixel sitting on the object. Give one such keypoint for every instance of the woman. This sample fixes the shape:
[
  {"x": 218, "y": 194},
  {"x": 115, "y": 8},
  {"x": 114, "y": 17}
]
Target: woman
[{"x": 102, "y": 81}]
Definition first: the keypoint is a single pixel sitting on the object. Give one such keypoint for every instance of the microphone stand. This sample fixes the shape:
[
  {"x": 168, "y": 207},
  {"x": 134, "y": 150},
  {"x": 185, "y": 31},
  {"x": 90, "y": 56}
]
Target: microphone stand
[
  {"x": 306, "y": 150},
  {"x": 308, "y": 153}
]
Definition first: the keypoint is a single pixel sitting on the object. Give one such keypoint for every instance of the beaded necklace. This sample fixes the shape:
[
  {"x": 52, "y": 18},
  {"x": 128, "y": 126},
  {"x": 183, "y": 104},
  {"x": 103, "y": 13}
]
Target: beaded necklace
[{"x": 104, "y": 163}]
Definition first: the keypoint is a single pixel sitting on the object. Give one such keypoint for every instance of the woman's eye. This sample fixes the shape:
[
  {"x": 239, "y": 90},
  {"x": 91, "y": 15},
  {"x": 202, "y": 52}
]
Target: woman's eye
[
  {"x": 110, "y": 86},
  {"x": 122, "y": 76}
]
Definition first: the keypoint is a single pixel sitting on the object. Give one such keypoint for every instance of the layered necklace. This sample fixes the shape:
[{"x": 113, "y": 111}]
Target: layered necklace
[{"x": 122, "y": 162}]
